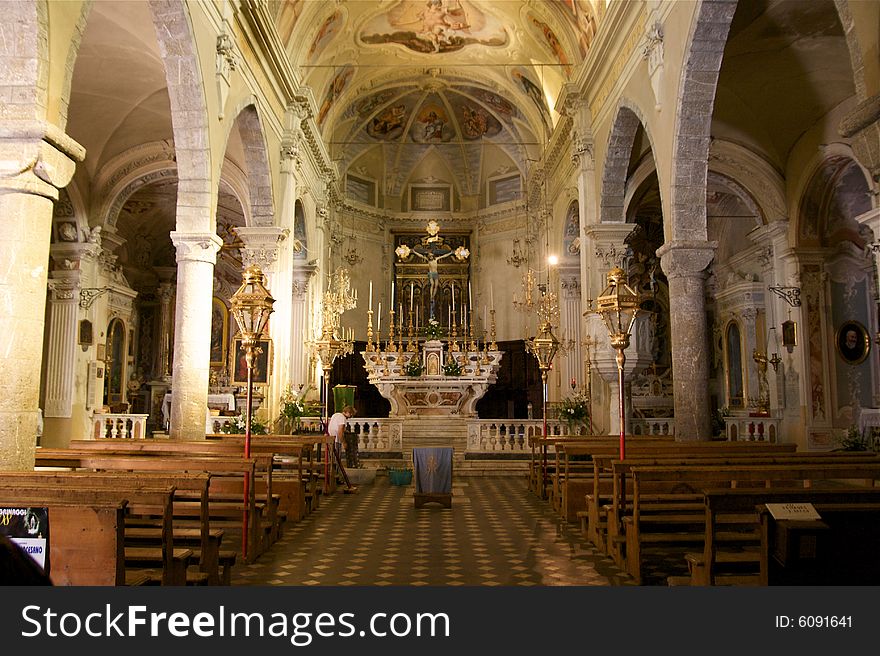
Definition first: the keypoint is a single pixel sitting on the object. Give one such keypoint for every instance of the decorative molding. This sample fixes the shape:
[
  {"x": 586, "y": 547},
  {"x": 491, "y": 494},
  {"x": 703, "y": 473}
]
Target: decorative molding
[
  {"x": 652, "y": 52},
  {"x": 196, "y": 246}
]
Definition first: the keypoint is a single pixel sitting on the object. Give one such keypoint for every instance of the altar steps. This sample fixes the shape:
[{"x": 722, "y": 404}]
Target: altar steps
[{"x": 452, "y": 431}]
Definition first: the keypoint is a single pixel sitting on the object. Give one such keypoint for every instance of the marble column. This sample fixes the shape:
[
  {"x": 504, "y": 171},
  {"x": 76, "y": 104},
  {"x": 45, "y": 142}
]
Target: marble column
[
  {"x": 196, "y": 256},
  {"x": 263, "y": 247},
  {"x": 36, "y": 160},
  {"x": 684, "y": 264}
]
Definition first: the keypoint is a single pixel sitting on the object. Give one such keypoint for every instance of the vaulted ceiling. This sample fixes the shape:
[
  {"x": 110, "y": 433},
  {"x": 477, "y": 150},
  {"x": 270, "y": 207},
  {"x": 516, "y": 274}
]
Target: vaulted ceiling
[{"x": 466, "y": 85}]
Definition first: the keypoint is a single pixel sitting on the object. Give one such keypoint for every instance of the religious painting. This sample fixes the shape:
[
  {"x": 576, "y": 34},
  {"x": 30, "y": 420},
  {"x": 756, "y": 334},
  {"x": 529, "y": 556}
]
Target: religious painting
[
  {"x": 219, "y": 331},
  {"x": 853, "y": 342},
  {"x": 325, "y": 34},
  {"x": 86, "y": 334},
  {"x": 373, "y": 102},
  {"x": 286, "y": 16},
  {"x": 571, "y": 238},
  {"x": 477, "y": 123},
  {"x": 495, "y": 102},
  {"x": 733, "y": 351},
  {"x": 337, "y": 86},
  {"x": 389, "y": 123},
  {"x": 552, "y": 41},
  {"x": 534, "y": 92},
  {"x": 584, "y": 22},
  {"x": 431, "y": 125},
  {"x": 434, "y": 26},
  {"x": 262, "y": 359}
]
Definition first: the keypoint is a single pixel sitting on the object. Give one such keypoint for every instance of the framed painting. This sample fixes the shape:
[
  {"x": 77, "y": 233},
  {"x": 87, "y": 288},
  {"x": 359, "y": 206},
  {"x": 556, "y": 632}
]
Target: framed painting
[
  {"x": 262, "y": 360},
  {"x": 853, "y": 342},
  {"x": 219, "y": 331}
]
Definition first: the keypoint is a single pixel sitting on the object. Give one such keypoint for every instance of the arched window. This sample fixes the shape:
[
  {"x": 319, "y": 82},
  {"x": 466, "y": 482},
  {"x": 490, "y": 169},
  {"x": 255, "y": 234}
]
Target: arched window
[{"x": 733, "y": 356}]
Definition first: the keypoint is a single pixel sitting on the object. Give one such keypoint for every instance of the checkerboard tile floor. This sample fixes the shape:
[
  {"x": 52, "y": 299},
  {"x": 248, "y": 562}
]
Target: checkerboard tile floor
[{"x": 496, "y": 534}]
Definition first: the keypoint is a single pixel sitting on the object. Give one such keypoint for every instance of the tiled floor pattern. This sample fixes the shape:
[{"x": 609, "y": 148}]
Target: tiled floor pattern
[{"x": 496, "y": 533}]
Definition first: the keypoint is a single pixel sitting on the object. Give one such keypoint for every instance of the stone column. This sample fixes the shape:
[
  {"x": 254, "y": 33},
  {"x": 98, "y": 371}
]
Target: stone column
[
  {"x": 684, "y": 264},
  {"x": 36, "y": 160},
  {"x": 196, "y": 256},
  {"x": 570, "y": 320},
  {"x": 64, "y": 287},
  {"x": 299, "y": 356},
  {"x": 262, "y": 246}
]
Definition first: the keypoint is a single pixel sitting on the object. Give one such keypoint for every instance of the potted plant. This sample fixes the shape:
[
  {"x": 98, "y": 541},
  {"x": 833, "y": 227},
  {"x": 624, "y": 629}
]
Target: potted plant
[
  {"x": 237, "y": 426},
  {"x": 574, "y": 411},
  {"x": 433, "y": 329},
  {"x": 413, "y": 367},
  {"x": 451, "y": 368}
]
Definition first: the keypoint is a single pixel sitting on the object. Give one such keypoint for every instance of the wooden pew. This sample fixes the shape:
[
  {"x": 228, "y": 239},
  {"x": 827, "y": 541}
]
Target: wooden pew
[
  {"x": 171, "y": 562},
  {"x": 606, "y": 479},
  {"x": 227, "y": 514},
  {"x": 680, "y": 529},
  {"x": 284, "y": 498},
  {"x": 839, "y": 549},
  {"x": 718, "y": 564},
  {"x": 204, "y": 541}
]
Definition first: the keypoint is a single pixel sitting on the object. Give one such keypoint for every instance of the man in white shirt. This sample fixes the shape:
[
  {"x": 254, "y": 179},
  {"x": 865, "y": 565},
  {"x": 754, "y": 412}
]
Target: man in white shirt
[{"x": 337, "y": 425}]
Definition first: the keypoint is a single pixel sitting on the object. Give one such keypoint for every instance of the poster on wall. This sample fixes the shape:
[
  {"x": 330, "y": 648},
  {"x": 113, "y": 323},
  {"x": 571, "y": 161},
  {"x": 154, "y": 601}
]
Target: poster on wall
[{"x": 29, "y": 528}]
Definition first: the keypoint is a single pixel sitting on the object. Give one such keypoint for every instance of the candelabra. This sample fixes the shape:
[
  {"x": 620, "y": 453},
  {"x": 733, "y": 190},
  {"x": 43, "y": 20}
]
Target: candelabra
[
  {"x": 391, "y": 344},
  {"x": 527, "y": 303},
  {"x": 471, "y": 332},
  {"x": 411, "y": 346},
  {"x": 251, "y": 306},
  {"x": 618, "y": 305},
  {"x": 493, "y": 346},
  {"x": 370, "y": 347}
]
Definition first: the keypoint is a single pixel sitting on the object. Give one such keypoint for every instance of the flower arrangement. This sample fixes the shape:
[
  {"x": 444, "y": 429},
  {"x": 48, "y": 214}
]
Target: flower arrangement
[
  {"x": 574, "y": 411},
  {"x": 853, "y": 440},
  {"x": 294, "y": 406},
  {"x": 237, "y": 426},
  {"x": 451, "y": 368},
  {"x": 433, "y": 329},
  {"x": 413, "y": 367}
]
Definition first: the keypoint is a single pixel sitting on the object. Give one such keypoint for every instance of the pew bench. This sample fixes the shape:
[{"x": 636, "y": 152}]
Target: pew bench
[{"x": 639, "y": 533}]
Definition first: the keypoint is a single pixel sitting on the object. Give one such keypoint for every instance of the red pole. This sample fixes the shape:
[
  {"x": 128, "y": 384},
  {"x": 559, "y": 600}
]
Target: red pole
[
  {"x": 544, "y": 432},
  {"x": 621, "y": 359},
  {"x": 247, "y": 451}
]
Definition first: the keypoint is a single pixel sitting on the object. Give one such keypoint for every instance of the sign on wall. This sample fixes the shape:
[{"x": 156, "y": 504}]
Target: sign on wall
[{"x": 29, "y": 528}]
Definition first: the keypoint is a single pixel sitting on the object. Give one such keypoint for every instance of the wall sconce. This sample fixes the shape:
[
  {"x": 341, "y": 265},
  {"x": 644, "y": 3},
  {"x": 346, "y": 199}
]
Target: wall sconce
[
  {"x": 791, "y": 295},
  {"x": 789, "y": 335}
]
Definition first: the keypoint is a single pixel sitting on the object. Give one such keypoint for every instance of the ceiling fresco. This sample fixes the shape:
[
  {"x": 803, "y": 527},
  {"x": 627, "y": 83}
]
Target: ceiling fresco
[{"x": 401, "y": 83}]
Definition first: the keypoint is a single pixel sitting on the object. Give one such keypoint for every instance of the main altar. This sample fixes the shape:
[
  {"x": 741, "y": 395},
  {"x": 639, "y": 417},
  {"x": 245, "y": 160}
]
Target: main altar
[
  {"x": 434, "y": 377},
  {"x": 415, "y": 382}
]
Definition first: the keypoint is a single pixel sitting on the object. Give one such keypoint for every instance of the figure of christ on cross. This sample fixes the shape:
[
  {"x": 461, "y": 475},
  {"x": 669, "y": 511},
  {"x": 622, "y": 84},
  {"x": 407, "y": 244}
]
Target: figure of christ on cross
[{"x": 433, "y": 273}]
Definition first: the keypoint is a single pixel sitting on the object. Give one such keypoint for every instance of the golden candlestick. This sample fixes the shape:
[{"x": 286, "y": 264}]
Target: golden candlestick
[
  {"x": 410, "y": 331},
  {"x": 493, "y": 346},
  {"x": 472, "y": 345},
  {"x": 370, "y": 347},
  {"x": 390, "y": 341},
  {"x": 453, "y": 335},
  {"x": 400, "y": 348}
]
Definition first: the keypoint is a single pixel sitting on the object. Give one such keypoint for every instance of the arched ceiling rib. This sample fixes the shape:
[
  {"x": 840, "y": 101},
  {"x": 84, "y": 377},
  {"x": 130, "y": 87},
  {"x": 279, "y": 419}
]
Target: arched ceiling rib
[{"x": 447, "y": 77}]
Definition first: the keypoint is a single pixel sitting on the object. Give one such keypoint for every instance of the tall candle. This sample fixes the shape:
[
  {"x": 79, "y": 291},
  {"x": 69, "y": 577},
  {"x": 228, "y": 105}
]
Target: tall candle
[
  {"x": 485, "y": 317},
  {"x": 379, "y": 321},
  {"x": 470, "y": 296},
  {"x": 412, "y": 288},
  {"x": 371, "y": 295},
  {"x": 492, "y": 296},
  {"x": 449, "y": 317},
  {"x": 392, "y": 294},
  {"x": 453, "y": 298}
]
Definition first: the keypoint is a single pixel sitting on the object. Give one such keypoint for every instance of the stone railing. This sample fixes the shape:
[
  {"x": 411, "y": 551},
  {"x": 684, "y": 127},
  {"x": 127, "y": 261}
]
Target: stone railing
[
  {"x": 652, "y": 426},
  {"x": 119, "y": 425},
  {"x": 755, "y": 429},
  {"x": 507, "y": 435}
]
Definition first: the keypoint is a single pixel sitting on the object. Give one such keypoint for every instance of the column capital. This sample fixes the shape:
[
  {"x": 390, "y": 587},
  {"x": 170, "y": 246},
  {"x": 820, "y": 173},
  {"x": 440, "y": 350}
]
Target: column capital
[
  {"x": 64, "y": 284},
  {"x": 37, "y": 157},
  {"x": 686, "y": 258},
  {"x": 261, "y": 245},
  {"x": 301, "y": 277},
  {"x": 196, "y": 246}
]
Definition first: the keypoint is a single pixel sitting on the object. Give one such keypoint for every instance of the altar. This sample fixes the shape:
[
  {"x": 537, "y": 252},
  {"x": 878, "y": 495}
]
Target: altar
[{"x": 415, "y": 382}]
